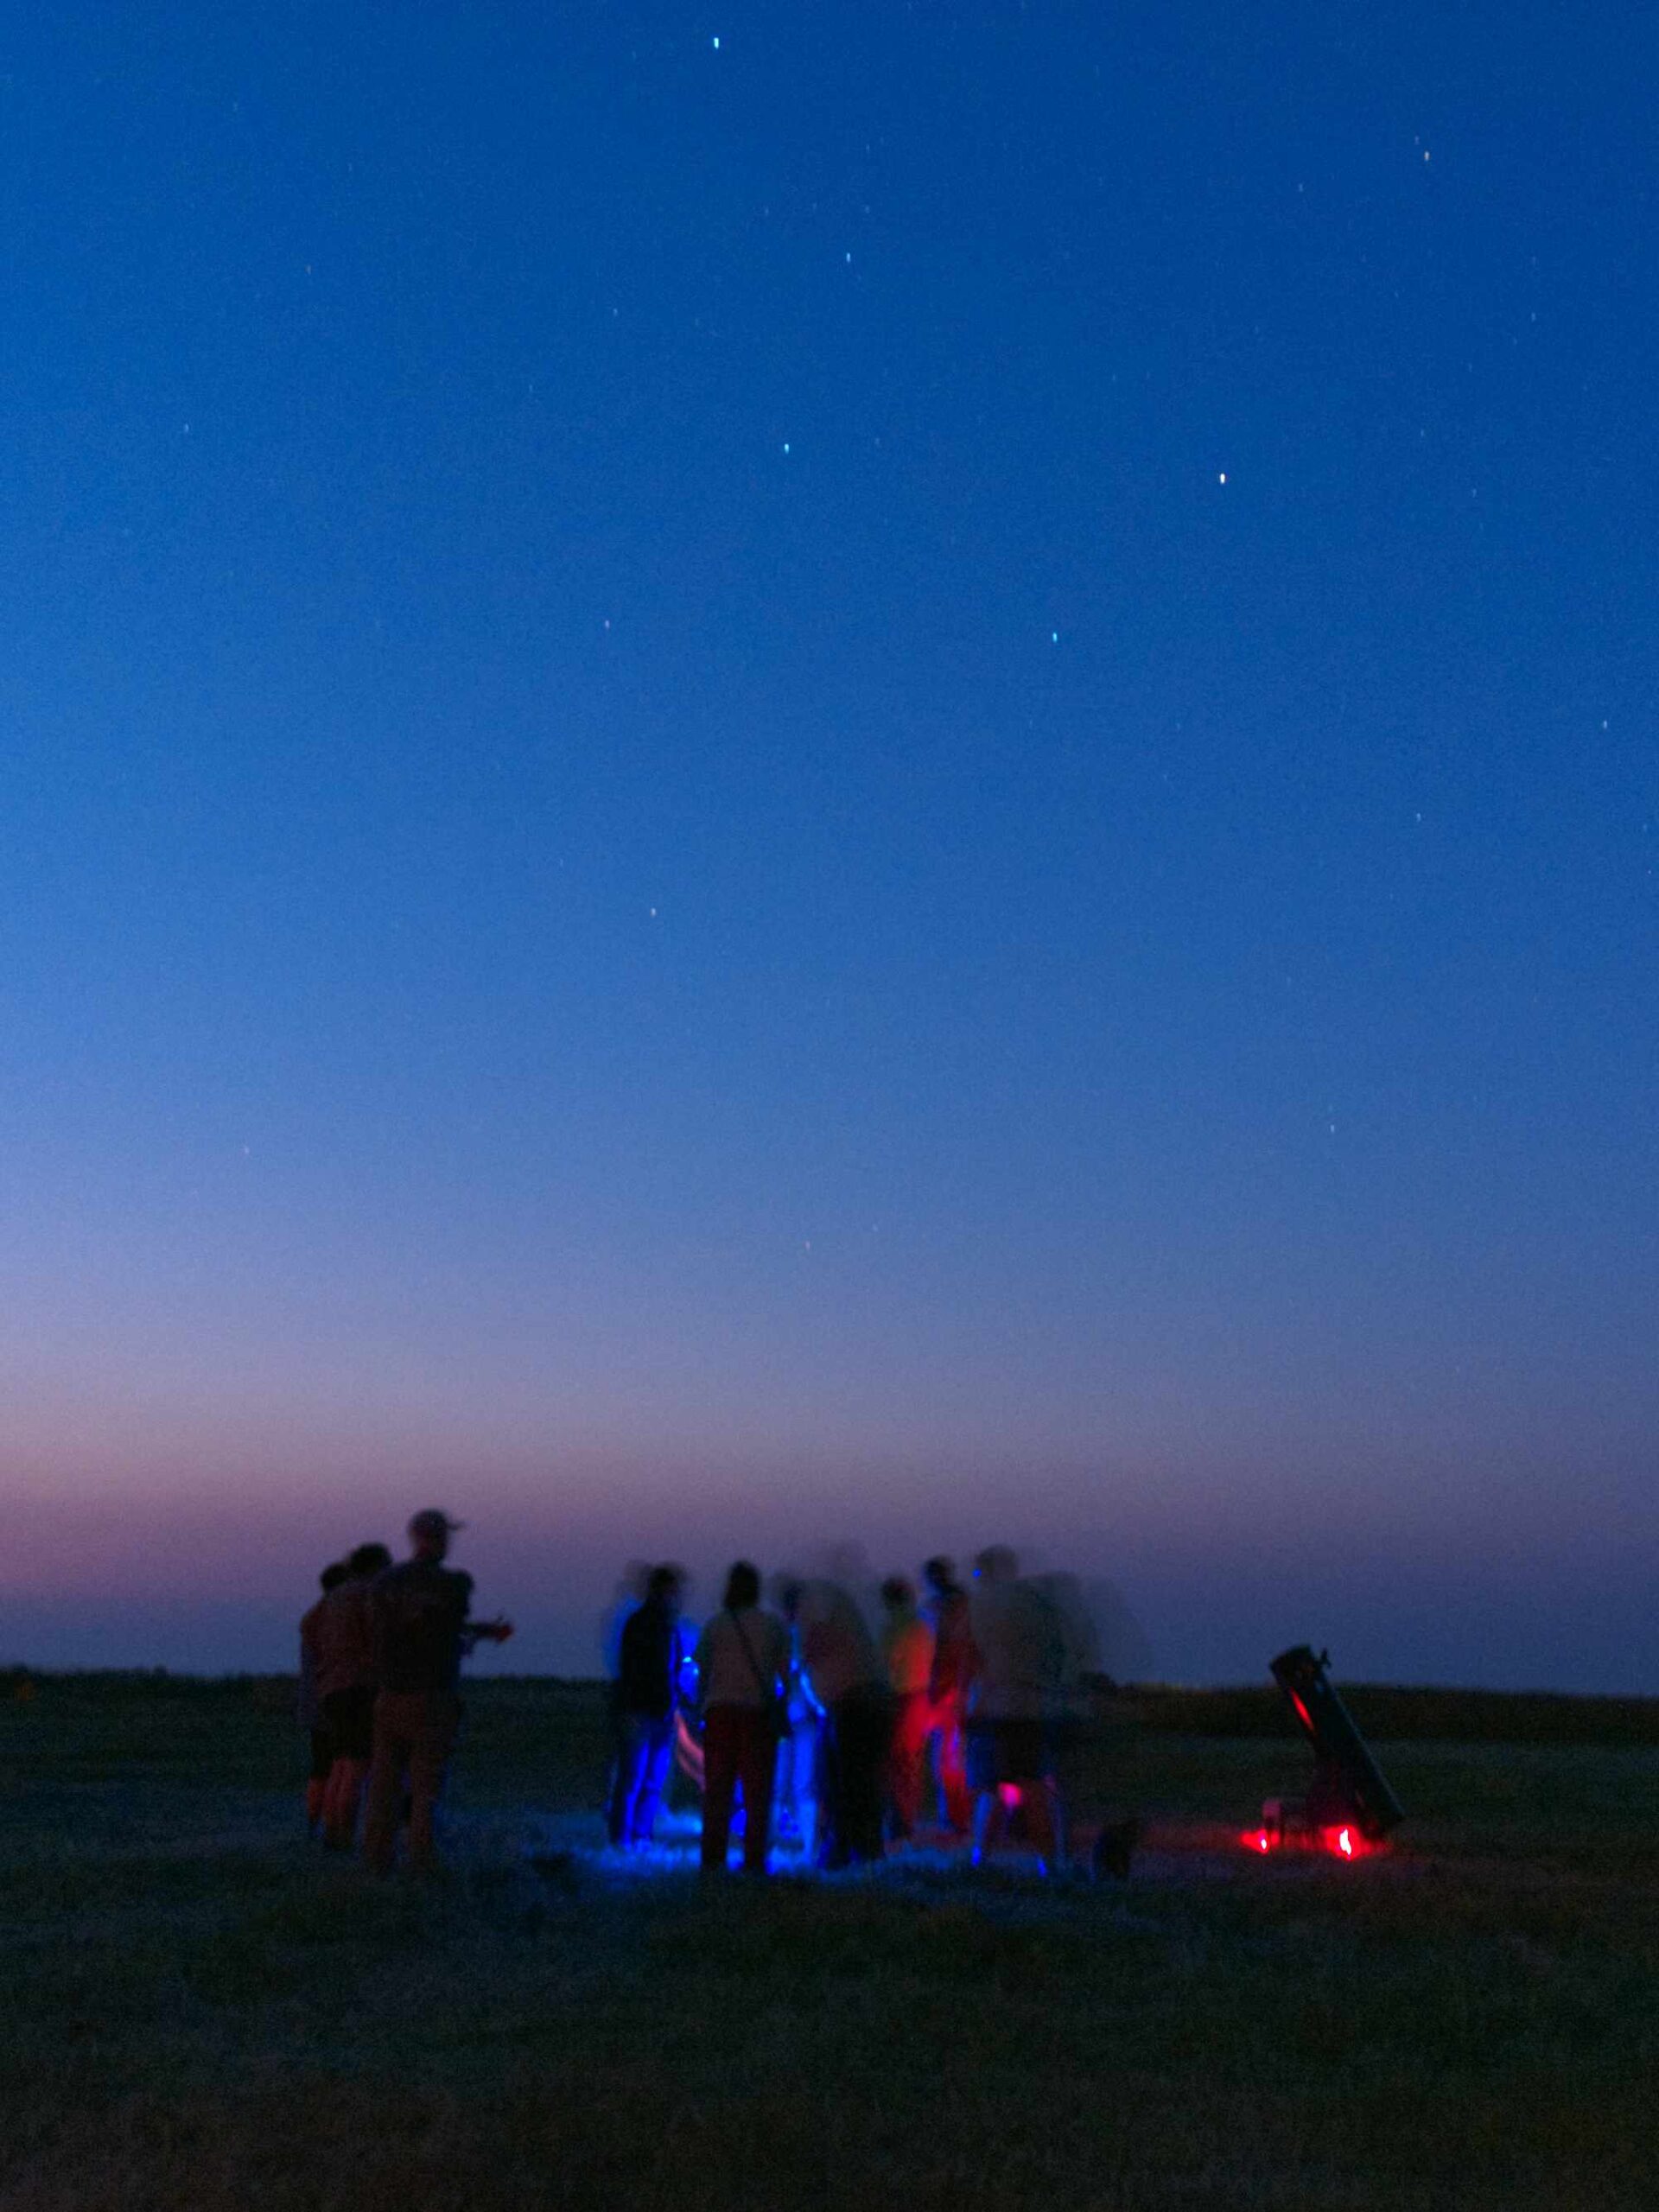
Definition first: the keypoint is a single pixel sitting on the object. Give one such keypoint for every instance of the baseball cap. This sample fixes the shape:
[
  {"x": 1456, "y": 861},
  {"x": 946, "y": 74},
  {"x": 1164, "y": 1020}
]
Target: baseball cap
[{"x": 431, "y": 1523}]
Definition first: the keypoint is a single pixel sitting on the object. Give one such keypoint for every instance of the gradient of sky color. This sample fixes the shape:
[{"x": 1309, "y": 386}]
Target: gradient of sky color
[{"x": 874, "y": 771}]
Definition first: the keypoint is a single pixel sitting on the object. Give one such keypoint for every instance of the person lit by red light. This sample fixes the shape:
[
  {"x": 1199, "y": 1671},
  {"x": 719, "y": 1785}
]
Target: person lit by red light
[
  {"x": 907, "y": 1653},
  {"x": 946, "y": 1610}
]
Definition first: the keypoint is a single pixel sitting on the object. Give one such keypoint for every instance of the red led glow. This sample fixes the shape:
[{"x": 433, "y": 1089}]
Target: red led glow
[{"x": 1340, "y": 1843}]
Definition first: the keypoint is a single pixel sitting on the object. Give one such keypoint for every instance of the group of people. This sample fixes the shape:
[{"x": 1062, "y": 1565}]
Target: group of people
[
  {"x": 961, "y": 1711},
  {"x": 380, "y": 1656},
  {"x": 967, "y": 1704}
]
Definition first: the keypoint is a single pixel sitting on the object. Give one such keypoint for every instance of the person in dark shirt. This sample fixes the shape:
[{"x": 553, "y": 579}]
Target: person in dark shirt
[
  {"x": 650, "y": 1662},
  {"x": 422, "y": 1630},
  {"x": 345, "y": 1646},
  {"x": 312, "y": 1718}
]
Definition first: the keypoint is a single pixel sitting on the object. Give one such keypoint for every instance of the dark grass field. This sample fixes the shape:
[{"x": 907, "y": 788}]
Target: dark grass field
[{"x": 202, "y": 2013}]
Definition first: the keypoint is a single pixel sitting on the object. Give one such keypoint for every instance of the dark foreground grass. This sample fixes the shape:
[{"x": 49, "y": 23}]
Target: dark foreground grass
[{"x": 201, "y": 2015}]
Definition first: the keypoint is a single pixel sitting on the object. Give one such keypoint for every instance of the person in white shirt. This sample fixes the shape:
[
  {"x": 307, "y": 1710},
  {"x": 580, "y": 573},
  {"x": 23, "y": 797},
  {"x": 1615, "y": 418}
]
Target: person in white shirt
[{"x": 742, "y": 1663}]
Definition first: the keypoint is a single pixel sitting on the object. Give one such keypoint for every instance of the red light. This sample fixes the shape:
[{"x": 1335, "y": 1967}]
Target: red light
[
  {"x": 1341, "y": 1843},
  {"x": 1347, "y": 1843}
]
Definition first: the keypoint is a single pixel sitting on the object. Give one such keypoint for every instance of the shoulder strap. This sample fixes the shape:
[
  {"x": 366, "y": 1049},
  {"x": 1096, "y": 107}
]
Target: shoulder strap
[{"x": 766, "y": 1689}]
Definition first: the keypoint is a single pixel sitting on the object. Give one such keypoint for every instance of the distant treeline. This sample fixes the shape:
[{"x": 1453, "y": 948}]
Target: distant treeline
[{"x": 1383, "y": 1711}]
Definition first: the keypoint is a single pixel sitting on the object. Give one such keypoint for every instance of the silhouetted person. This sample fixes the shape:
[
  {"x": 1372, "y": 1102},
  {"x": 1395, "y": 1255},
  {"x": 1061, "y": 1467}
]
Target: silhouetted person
[
  {"x": 628, "y": 1595},
  {"x": 421, "y": 1632},
  {"x": 345, "y": 1683},
  {"x": 742, "y": 1660},
  {"x": 839, "y": 1660},
  {"x": 946, "y": 1610},
  {"x": 310, "y": 1703},
  {"x": 651, "y": 1659},
  {"x": 907, "y": 1654}
]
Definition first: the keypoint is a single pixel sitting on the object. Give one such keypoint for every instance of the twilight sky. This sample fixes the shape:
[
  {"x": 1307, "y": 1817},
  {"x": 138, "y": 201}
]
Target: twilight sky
[{"x": 869, "y": 770}]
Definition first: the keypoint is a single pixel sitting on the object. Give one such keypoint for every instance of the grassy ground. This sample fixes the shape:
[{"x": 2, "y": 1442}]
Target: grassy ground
[{"x": 202, "y": 2014}]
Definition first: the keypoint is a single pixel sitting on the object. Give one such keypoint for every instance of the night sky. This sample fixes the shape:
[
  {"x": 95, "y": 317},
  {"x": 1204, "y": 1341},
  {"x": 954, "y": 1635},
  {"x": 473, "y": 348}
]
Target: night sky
[{"x": 847, "y": 772}]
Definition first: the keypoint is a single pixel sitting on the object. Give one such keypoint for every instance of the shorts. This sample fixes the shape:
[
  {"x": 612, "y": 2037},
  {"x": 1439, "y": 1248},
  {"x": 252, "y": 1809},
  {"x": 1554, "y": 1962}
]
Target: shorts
[
  {"x": 1005, "y": 1751},
  {"x": 322, "y": 1754},
  {"x": 349, "y": 1715}
]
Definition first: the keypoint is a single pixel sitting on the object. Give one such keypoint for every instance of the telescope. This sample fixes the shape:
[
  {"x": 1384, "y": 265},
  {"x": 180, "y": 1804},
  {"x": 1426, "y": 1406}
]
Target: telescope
[{"x": 1349, "y": 1808}]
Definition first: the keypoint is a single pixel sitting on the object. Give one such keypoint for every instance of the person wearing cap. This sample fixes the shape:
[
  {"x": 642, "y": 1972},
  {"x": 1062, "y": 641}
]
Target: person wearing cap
[{"x": 421, "y": 1634}]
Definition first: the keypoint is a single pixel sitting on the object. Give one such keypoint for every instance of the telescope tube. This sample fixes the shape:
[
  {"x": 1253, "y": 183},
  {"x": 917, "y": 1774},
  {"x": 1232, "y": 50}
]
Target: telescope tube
[{"x": 1339, "y": 1750}]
